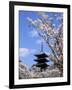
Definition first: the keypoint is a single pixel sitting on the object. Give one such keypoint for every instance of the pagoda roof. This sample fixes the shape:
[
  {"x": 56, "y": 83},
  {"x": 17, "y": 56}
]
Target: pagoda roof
[
  {"x": 41, "y": 55},
  {"x": 41, "y": 60},
  {"x": 41, "y": 65}
]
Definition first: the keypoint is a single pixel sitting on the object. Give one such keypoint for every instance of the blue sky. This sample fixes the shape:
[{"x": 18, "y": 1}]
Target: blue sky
[{"x": 29, "y": 41}]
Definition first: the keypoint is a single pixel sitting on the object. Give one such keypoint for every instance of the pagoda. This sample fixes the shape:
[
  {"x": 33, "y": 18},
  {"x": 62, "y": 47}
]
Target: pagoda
[{"x": 41, "y": 59}]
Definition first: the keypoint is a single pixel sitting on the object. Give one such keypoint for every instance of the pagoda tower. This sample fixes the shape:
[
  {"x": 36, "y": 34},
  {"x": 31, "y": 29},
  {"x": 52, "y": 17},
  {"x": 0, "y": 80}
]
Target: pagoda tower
[{"x": 41, "y": 59}]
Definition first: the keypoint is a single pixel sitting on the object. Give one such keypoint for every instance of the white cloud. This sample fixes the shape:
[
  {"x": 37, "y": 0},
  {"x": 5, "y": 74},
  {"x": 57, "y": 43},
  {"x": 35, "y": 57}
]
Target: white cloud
[
  {"x": 32, "y": 51},
  {"x": 25, "y": 52},
  {"x": 33, "y": 33}
]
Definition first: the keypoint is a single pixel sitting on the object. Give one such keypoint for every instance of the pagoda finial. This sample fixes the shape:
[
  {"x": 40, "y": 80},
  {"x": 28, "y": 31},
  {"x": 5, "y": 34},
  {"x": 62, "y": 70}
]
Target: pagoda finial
[{"x": 41, "y": 46}]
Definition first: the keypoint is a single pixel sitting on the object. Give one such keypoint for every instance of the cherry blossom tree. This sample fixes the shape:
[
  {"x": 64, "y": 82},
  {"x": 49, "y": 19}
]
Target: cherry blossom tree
[{"x": 52, "y": 35}]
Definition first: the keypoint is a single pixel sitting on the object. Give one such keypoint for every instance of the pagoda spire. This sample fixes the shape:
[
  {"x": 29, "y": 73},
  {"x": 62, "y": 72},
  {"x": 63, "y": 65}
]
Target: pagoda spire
[{"x": 41, "y": 46}]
